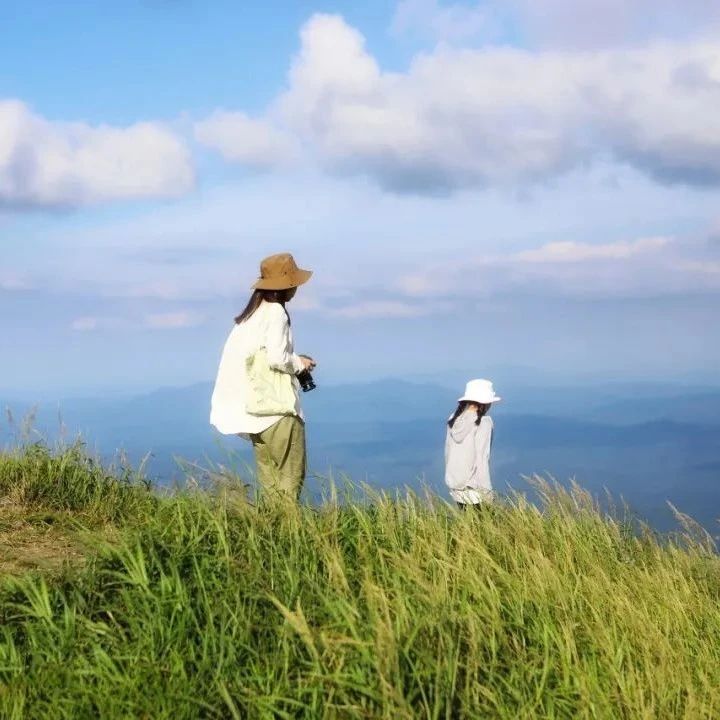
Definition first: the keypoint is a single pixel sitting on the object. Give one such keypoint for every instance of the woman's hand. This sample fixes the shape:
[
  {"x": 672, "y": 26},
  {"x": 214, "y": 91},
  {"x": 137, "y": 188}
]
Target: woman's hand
[{"x": 308, "y": 362}]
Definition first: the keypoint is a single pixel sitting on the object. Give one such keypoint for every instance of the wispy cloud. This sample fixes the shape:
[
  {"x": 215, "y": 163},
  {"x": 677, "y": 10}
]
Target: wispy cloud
[
  {"x": 698, "y": 267},
  {"x": 14, "y": 281},
  {"x": 129, "y": 319},
  {"x": 174, "y": 320},
  {"x": 85, "y": 324},
  {"x": 93, "y": 323},
  {"x": 645, "y": 267},
  {"x": 576, "y": 252},
  {"x": 379, "y": 309}
]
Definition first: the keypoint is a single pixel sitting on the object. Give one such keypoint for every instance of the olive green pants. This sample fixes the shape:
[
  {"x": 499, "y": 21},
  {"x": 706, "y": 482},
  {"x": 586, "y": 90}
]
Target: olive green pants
[{"x": 281, "y": 458}]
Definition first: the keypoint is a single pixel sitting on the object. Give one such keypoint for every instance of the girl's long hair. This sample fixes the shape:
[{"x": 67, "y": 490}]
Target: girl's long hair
[
  {"x": 462, "y": 407},
  {"x": 257, "y": 298}
]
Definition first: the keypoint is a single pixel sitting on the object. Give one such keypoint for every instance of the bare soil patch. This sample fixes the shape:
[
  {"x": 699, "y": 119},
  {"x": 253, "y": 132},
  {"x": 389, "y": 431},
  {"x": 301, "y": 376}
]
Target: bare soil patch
[{"x": 38, "y": 540}]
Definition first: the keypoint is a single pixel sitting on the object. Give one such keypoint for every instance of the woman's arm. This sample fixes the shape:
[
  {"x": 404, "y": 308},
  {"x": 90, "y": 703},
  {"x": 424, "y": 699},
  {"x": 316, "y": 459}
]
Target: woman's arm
[{"x": 280, "y": 353}]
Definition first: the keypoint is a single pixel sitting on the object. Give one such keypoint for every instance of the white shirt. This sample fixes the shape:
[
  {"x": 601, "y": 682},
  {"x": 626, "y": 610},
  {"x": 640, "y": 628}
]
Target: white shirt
[
  {"x": 467, "y": 458},
  {"x": 267, "y": 327}
]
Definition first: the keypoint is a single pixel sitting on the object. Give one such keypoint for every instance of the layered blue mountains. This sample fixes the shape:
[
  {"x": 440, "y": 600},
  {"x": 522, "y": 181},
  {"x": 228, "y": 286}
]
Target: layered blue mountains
[{"x": 644, "y": 444}]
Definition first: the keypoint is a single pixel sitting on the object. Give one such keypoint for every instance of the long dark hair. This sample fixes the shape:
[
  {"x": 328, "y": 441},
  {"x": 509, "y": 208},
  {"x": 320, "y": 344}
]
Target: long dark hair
[
  {"x": 260, "y": 296},
  {"x": 463, "y": 406}
]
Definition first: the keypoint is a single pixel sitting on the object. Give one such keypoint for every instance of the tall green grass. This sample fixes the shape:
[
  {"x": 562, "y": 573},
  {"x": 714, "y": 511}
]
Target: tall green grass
[
  {"x": 71, "y": 479},
  {"x": 391, "y": 608}
]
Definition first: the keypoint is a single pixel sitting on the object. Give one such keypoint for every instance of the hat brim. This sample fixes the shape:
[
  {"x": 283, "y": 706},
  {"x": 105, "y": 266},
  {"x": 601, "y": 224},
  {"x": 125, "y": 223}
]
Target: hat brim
[
  {"x": 293, "y": 280},
  {"x": 487, "y": 401}
]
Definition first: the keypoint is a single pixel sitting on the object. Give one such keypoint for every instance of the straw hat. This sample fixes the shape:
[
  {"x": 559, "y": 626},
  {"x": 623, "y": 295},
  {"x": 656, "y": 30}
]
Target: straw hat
[
  {"x": 480, "y": 391},
  {"x": 279, "y": 272}
]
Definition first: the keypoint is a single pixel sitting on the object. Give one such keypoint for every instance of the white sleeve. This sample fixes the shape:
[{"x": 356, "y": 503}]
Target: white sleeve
[
  {"x": 483, "y": 442},
  {"x": 279, "y": 349}
]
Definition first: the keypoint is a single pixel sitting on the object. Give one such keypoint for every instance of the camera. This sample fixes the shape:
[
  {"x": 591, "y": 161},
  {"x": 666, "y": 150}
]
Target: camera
[
  {"x": 306, "y": 381},
  {"x": 305, "y": 378}
]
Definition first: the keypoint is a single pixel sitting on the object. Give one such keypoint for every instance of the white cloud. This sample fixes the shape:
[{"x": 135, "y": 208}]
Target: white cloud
[
  {"x": 379, "y": 309},
  {"x": 46, "y": 164},
  {"x": 173, "y": 320},
  {"x": 252, "y": 142},
  {"x": 646, "y": 267},
  {"x": 603, "y": 23},
  {"x": 570, "y": 252},
  {"x": 650, "y": 267},
  {"x": 91, "y": 323},
  {"x": 585, "y": 24},
  {"x": 306, "y": 303},
  {"x": 360, "y": 240},
  {"x": 447, "y": 22},
  {"x": 349, "y": 302},
  {"x": 699, "y": 267},
  {"x": 504, "y": 116},
  {"x": 155, "y": 289},
  {"x": 494, "y": 116},
  {"x": 85, "y": 324},
  {"x": 13, "y": 281}
]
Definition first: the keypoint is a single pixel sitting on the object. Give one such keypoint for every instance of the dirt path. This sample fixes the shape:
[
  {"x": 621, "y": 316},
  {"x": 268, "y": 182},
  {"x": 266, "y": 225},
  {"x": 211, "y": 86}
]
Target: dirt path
[{"x": 40, "y": 540}]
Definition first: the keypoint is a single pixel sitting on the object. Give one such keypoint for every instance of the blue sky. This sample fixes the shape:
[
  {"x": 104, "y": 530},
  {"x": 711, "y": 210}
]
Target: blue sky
[{"x": 478, "y": 186}]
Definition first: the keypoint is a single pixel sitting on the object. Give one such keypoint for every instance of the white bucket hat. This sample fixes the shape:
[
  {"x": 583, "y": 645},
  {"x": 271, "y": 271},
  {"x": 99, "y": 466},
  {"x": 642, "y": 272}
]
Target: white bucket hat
[{"x": 480, "y": 391}]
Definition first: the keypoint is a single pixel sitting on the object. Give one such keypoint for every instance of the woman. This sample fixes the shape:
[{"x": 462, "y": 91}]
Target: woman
[
  {"x": 256, "y": 391},
  {"x": 467, "y": 446}
]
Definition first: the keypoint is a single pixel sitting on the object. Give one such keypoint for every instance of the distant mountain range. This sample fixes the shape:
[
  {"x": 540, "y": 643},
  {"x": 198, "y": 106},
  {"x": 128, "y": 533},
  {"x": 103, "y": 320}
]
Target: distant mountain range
[{"x": 648, "y": 443}]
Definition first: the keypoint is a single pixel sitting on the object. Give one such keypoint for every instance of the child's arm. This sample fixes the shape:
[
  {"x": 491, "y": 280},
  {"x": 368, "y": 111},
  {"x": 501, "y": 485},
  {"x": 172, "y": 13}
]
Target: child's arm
[{"x": 483, "y": 442}]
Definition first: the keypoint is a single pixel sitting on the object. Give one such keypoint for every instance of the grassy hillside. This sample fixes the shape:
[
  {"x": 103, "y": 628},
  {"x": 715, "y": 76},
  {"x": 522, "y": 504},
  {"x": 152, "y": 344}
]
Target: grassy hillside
[{"x": 121, "y": 603}]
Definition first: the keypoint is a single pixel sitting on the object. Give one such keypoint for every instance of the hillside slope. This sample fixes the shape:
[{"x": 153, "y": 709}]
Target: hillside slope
[{"x": 200, "y": 605}]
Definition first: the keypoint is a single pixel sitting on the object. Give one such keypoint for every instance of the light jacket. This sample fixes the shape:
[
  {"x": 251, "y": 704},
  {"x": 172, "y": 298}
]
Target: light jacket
[
  {"x": 467, "y": 458},
  {"x": 268, "y": 327}
]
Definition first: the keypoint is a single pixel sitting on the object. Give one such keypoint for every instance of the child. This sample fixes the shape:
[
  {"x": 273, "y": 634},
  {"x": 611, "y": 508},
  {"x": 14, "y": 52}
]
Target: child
[{"x": 467, "y": 446}]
